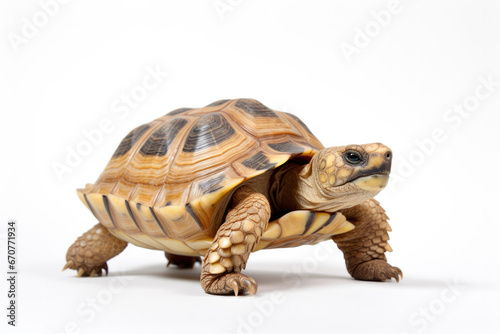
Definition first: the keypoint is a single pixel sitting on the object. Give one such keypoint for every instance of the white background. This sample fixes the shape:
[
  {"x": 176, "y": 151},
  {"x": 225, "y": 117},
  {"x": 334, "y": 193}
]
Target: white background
[{"x": 399, "y": 88}]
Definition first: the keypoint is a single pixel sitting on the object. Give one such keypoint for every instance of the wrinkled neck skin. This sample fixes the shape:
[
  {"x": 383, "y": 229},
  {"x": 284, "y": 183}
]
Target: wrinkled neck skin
[{"x": 294, "y": 188}]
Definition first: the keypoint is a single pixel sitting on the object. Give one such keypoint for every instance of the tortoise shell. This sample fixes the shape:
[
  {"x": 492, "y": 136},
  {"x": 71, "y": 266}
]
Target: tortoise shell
[{"x": 169, "y": 180}]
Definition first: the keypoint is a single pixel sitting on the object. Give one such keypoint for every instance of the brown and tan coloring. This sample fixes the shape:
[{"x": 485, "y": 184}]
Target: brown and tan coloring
[{"x": 230, "y": 179}]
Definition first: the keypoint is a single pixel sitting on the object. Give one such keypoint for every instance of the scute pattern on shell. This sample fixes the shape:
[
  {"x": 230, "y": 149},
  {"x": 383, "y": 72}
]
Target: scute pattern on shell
[{"x": 174, "y": 171}]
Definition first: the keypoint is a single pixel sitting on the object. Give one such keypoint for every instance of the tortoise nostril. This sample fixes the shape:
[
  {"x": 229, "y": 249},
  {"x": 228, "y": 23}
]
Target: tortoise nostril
[{"x": 388, "y": 155}]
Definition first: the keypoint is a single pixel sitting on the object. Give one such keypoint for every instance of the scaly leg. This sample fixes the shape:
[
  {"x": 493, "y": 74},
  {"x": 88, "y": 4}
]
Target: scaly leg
[
  {"x": 364, "y": 247},
  {"x": 234, "y": 242},
  {"x": 89, "y": 253},
  {"x": 181, "y": 261}
]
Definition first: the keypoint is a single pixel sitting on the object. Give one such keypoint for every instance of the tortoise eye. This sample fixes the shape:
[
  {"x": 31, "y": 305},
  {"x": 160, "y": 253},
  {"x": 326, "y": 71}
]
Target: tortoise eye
[{"x": 352, "y": 157}]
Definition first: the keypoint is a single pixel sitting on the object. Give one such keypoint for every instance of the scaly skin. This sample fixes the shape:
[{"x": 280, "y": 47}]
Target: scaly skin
[
  {"x": 364, "y": 247},
  {"x": 234, "y": 242},
  {"x": 89, "y": 253},
  {"x": 181, "y": 261}
]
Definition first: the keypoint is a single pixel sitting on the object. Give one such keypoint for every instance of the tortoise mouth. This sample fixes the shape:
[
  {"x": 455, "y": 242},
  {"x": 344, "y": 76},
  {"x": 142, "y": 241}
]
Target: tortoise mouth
[{"x": 374, "y": 182}]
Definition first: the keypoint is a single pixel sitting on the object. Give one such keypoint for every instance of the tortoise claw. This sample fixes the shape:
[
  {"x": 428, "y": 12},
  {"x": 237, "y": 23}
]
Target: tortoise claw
[
  {"x": 80, "y": 273},
  {"x": 394, "y": 275},
  {"x": 377, "y": 270},
  {"x": 69, "y": 264},
  {"x": 400, "y": 273},
  {"x": 87, "y": 271},
  {"x": 250, "y": 284},
  {"x": 234, "y": 285},
  {"x": 230, "y": 283}
]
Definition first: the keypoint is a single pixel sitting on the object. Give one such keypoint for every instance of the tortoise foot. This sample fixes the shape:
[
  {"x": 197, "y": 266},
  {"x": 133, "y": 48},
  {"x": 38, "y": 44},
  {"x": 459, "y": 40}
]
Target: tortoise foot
[
  {"x": 183, "y": 262},
  {"x": 84, "y": 270},
  {"x": 90, "y": 252},
  {"x": 377, "y": 270},
  {"x": 228, "y": 284}
]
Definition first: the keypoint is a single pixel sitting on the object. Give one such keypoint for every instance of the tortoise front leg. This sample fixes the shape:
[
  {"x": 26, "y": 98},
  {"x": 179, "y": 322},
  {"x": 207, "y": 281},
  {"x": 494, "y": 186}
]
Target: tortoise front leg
[
  {"x": 234, "y": 242},
  {"x": 89, "y": 253},
  {"x": 364, "y": 247}
]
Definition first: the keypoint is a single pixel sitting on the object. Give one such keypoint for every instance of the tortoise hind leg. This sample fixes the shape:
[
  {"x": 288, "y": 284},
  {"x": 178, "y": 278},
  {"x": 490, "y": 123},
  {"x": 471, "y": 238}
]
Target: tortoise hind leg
[
  {"x": 89, "y": 253},
  {"x": 234, "y": 242},
  {"x": 181, "y": 261}
]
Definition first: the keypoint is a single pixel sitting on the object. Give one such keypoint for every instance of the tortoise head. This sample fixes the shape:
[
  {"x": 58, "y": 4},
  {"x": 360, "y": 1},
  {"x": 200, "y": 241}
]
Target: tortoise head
[{"x": 348, "y": 175}]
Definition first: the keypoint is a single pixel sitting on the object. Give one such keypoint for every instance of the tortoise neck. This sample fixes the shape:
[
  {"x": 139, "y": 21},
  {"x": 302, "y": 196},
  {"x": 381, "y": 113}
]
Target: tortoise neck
[{"x": 291, "y": 188}]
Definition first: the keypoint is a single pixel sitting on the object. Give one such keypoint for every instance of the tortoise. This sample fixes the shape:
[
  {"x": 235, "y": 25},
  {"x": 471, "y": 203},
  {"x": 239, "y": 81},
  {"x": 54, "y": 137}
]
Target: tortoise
[{"x": 230, "y": 179}]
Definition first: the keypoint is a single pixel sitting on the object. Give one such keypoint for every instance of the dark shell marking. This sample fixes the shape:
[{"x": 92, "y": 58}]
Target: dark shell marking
[
  {"x": 209, "y": 130},
  {"x": 332, "y": 217},
  {"x": 259, "y": 162},
  {"x": 296, "y": 119},
  {"x": 255, "y": 108},
  {"x": 131, "y": 214},
  {"x": 211, "y": 185},
  {"x": 287, "y": 147},
  {"x": 90, "y": 206},
  {"x": 129, "y": 141},
  {"x": 189, "y": 209},
  {"x": 156, "y": 220},
  {"x": 159, "y": 141},
  {"x": 310, "y": 220},
  {"x": 108, "y": 210}
]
